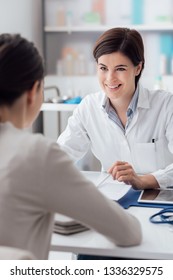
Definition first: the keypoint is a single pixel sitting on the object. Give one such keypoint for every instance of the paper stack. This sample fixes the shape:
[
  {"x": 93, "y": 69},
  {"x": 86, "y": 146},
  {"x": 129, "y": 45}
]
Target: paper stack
[{"x": 66, "y": 225}]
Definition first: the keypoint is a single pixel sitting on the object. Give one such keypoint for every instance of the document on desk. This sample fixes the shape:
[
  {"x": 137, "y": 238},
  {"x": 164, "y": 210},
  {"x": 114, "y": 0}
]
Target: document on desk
[
  {"x": 65, "y": 225},
  {"x": 113, "y": 189}
]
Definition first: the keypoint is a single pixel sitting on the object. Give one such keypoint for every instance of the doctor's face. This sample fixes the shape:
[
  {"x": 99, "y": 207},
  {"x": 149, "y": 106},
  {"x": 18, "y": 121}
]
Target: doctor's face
[{"x": 116, "y": 74}]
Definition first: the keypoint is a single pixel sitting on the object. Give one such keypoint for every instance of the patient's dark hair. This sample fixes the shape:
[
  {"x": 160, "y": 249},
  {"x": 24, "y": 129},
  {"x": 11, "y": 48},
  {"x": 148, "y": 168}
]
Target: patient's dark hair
[
  {"x": 20, "y": 67},
  {"x": 124, "y": 40}
]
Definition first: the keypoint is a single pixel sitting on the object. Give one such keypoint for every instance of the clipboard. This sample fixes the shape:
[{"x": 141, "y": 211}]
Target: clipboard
[{"x": 131, "y": 199}]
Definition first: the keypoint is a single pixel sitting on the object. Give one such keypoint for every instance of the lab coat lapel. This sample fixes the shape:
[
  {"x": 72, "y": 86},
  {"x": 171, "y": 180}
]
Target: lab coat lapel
[{"x": 143, "y": 103}]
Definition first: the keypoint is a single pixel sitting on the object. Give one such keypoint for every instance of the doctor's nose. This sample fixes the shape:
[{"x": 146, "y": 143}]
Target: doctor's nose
[{"x": 111, "y": 76}]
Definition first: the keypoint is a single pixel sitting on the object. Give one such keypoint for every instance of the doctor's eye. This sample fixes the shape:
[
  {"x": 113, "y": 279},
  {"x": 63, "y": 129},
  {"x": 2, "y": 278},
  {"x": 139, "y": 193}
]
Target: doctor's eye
[
  {"x": 121, "y": 69},
  {"x": 102, "y": 68}
]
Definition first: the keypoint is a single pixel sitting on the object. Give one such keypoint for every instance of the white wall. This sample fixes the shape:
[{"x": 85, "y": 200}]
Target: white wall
[{"x": 24, "y": 17}]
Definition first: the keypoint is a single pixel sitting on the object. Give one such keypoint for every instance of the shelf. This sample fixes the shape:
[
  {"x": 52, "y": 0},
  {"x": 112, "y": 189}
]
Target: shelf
[
  {"x": 78, "y": 36},
  {"x": 102, "y": 28},
  {"x": 58, "y": 107}
]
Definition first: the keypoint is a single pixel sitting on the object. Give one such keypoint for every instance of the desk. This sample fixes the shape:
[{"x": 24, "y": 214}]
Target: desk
[{"x": 157, "y": 240}]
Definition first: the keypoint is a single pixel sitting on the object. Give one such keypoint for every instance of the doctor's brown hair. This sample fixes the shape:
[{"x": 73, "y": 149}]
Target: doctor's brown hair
[
  {"x": 20, "y": 67},
  {"x": 124, "y": 40}
]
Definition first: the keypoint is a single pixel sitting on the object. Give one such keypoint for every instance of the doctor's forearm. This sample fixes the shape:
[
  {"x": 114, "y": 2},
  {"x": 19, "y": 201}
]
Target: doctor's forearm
[{"x": 148, "y": 181}]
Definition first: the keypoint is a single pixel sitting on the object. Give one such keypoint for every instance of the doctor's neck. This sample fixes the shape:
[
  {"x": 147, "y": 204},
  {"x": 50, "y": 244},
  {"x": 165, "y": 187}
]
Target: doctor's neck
[{"x": 122, "y": 103}]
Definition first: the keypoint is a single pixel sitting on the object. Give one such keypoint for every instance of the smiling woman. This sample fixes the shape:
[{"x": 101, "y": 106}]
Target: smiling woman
[{"x": 120, "y": 122}]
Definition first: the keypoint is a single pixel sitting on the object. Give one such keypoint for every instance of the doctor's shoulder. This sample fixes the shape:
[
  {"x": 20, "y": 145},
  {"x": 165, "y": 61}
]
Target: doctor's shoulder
[
  {"x": 88, "y": 108},
  {"x": 92, "y": 100},
  {"x": 161, "y": 97}
]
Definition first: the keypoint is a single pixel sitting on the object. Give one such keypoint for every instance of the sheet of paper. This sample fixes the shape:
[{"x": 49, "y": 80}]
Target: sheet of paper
[
  {"x": 113, "y": 189},
  {"x": 94, "y": 176}
]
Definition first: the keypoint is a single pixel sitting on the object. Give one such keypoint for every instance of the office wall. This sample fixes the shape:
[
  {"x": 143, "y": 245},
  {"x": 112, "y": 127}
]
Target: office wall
[{"x": 24, "y": 17}]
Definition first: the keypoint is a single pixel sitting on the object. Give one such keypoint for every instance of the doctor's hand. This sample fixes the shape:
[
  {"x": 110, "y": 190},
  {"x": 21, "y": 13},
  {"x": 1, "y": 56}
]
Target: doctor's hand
[{"x": 123, "y": 172}]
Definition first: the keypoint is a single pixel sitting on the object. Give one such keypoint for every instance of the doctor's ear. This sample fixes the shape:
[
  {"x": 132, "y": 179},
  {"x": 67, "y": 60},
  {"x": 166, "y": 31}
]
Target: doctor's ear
[{"x": 138, "y": 68}]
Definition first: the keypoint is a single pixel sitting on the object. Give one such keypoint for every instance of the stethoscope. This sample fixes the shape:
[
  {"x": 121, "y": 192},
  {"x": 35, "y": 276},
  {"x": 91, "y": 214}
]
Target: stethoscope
[{"x": 164, "y": 216}]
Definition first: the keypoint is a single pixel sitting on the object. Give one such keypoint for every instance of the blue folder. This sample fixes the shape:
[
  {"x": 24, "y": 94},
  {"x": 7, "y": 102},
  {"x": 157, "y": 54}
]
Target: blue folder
[{"x": 131, "y": 199}]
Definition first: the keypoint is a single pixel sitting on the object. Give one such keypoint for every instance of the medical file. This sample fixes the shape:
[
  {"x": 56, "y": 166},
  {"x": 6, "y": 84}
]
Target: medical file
[{"x": 65, "y": 225}]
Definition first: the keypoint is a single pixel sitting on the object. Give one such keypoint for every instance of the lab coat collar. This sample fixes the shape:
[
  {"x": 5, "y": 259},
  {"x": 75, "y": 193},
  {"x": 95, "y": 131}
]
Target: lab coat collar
[
  {"x": 143, "y": 102},
  {"x": 143, "y": 99},
  {"x": 103, "y": 101}
]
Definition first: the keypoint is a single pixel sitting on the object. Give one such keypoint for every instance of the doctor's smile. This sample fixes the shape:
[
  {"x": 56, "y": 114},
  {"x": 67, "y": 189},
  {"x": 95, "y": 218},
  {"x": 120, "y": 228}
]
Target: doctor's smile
[{"x": 113, "y": 87}]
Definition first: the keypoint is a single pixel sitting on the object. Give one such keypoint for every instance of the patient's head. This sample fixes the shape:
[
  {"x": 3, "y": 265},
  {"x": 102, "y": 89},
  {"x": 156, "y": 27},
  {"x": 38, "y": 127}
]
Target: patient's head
[{"x": 20, "y": 67}]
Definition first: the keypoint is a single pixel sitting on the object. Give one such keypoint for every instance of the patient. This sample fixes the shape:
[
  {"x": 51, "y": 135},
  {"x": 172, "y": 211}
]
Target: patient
[{"x": 37, "y": 178}]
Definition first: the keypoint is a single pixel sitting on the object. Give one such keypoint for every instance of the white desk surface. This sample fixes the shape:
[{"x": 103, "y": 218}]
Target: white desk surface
[{"x": 157, "y": 239}]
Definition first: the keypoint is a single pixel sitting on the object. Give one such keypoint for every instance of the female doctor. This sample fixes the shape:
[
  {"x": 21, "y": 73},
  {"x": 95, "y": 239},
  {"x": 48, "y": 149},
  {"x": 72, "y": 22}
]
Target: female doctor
[{"x": 128, "y": 128}]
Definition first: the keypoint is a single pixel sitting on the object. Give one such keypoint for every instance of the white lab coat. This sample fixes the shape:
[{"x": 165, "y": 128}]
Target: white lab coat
[{"x": 90, "y": 127}]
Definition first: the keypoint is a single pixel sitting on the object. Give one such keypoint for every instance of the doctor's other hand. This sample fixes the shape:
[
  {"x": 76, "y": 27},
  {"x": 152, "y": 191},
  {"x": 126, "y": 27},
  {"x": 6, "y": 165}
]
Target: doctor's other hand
[{"x": 123, "y": 172}]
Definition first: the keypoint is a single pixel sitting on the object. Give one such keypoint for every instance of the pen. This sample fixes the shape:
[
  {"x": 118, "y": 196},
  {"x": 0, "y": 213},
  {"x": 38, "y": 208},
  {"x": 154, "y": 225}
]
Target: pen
[{"x": 101, "y": 181}]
